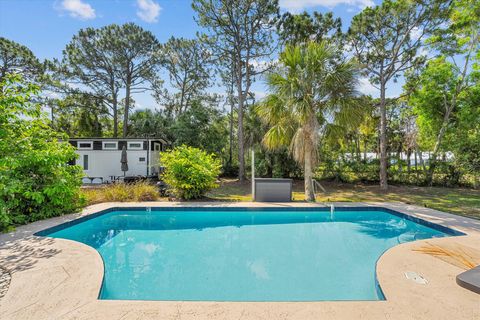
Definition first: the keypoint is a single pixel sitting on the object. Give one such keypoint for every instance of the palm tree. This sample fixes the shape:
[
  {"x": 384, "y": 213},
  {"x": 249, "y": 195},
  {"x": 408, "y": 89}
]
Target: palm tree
[{"x": 313, "y": 95}]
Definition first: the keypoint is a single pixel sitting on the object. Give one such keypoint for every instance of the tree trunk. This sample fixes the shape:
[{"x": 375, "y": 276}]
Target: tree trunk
[
  {"x": 409, "y": 155},
  {"x": 115, "y": 116},
  {"x": 230, "y": 151},
  {"x": 433, "y": 158},
  {"x": 357, "y": 145},
  {"x": 383, "y": 139},
  {"x": 365, "y": 150},
  {"x": 127, "y": 106},
  {"x": 420, "y": 155},
  {"x": 53, "y": 115},
  {"x": 182, "y": 98},
  {"x": 96, "y": 126},
  {"x": 308, "y": 175},
  {"x": 241, "y": 151},
  {"x": 416, "y": 162}
]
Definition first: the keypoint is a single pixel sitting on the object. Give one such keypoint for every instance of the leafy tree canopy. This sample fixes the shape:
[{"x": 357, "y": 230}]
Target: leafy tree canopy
[
  {"x": 36, "y": 181},
  {"x": 16, "y": 58},
  {"x": 303, "y": 27},
  {"x": 188, "y": 65}
]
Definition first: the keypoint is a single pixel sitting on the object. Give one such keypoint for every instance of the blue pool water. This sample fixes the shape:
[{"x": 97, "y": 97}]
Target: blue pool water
[{"x": 243, "y": 255}]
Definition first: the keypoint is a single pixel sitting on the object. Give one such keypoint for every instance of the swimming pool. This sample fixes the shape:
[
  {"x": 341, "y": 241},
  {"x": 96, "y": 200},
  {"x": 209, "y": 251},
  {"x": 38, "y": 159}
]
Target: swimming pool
[{"x": 243, "y": 254}]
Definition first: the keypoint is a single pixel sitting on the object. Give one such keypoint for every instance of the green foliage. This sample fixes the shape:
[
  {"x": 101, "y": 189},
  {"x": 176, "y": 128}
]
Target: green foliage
[
  {"x": 268, "y": 163},
  {"x": 190, "y": 172},
  {"x": 110, "y": 58},
  {"x": 36, "y": 181},
  {"x": 202, "y": 127},
  {"x": 136, "y": 63},
  {"x": 466, "y": 146},
  {"x": 445, "y": 93},
  {"x": 301, "y": 28},
  {"x": 309, "y": 91},
  {"x": 239, "y": 33},
  {"x": 81, "y": 115},
  {"x": 385, "y": 41},
  {"x": 383, "y": 36},
  {"x": 151, "y": 123},
  {"x": 17, "y": 58},
  {"x": 431, "y": 99},
  {"x": 188, "y": 66},
  {"x": 460, "y": 34},
  {"x": 90, "y": 59},
  {"x": 312, "y": 93}
]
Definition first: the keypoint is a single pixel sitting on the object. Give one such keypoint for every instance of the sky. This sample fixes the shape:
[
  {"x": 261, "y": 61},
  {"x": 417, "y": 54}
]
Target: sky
[{"x": 46, "y": 26}]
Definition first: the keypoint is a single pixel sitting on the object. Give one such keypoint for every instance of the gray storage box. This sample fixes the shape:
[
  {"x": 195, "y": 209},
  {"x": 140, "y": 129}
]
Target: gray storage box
[{"x": 273, "y": 190}]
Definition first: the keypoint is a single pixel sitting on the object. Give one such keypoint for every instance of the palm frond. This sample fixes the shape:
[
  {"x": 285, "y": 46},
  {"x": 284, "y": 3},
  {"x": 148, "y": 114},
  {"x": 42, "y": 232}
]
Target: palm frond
[
  {"x": 272, "y": 109},
  {"x": 278, "y": 136},
  {"x": 313, "y": 94}
]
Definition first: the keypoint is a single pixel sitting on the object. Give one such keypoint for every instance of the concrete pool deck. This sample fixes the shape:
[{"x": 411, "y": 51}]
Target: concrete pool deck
[{"x": 61, "y": 279}]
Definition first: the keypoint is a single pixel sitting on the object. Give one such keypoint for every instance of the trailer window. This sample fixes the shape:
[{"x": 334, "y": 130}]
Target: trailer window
[
  {"x": 110, "y": 146},
  {"x": 87, "y": 145},
  {"x": 135, "y": 145},
  {"x": 85, "y": 162}
]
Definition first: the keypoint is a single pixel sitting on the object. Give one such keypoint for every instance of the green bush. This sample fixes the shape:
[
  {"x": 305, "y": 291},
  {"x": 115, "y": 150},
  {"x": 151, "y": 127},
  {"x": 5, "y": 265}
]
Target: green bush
[
  {"x": 36, "y": 181},
  {"x": 190, "y": 172}
]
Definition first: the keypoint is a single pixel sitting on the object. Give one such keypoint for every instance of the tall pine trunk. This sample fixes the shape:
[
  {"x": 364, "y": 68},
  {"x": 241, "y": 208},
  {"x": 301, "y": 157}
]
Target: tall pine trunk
[
  {"x": 383, "y": 139},
  {"x": 241, "y": 151},
  {"x": 115, "y": 116},
  {"x": 230, "y": 150},
  {"x": 127, "y": 106},
  {"x": 114, "y": 92}
]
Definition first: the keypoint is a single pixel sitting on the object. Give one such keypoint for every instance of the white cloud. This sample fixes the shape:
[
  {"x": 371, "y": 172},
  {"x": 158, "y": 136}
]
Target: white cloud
[
  {"x": 148, "y": 10},
  {"x": 423, "y": 51},
  {"x": 299, "y": 5},
  {"x": 78, "y": 9},
  {"x": 260, "y": 65},
  {"x": 259, "y": 95},
  {"x": 416, "y": 33},
  {"x": 365, "y": 87}
]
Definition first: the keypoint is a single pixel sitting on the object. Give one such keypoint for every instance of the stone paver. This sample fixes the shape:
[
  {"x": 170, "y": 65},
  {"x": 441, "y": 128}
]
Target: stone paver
[{"x": 4, "y": 281}]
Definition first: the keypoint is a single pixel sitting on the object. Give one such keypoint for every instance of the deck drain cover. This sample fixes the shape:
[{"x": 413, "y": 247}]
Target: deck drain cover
[{"x": 410, "y": 275}]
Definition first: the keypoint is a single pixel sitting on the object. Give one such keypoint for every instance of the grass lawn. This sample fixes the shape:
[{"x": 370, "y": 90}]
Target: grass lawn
[{"x": 465, "y": 202}]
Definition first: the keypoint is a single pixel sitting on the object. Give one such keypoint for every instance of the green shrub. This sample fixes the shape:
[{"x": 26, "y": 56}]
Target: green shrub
[
  {"x": 122, "y": 192},
  {"x": 190, "y": 172},
  {"x": 36, "y": 181}
]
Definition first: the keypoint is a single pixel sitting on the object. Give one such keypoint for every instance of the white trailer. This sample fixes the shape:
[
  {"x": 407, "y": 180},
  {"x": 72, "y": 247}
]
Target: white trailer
[{"x": 100, "y": 157}]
